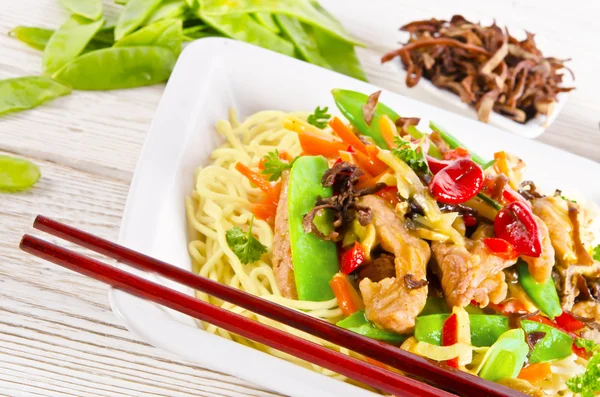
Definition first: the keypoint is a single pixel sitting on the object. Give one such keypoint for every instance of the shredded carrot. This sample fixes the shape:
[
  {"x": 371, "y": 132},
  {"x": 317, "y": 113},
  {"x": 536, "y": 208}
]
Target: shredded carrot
[
  {"x": 535, "y": 372},
  {"x": 347, "y": 296},
  {"x": 388, "y": 130},
  {"x": 374, "y": 167},
  {"x": 368, "y": 180},
  {"x": 315, "y": 145},
  {"x": 266, "y": 209},
  {"x": 255, "y": 178},
  {"x": 501, "y": 166},
  {"x": 347, "y": 135}
]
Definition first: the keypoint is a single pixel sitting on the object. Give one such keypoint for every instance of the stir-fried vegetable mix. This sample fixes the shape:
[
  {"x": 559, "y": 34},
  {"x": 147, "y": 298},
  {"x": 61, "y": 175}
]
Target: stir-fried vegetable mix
[{"x": 431, "y": 247}]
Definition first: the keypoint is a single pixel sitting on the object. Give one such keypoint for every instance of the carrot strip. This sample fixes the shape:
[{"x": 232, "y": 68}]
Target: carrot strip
[
  {"x": 347, "y": 156},
  {"x": 347, "y": 135},
  {"x": 266, "y": 209},
  {"x": 535, "y": 372},
  {"x": 315, "y": 145},
  {"x": 347, "y": 296},
  {"x": 374, "y": 167},
  {"x": 255, "y": 178},
  {"x": 388, "y": 130}
]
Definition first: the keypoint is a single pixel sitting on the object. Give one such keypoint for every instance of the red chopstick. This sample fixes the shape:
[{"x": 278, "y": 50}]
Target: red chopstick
[
  {"x": 377, "y": 377},
  {"x": 441, "y": 375}
]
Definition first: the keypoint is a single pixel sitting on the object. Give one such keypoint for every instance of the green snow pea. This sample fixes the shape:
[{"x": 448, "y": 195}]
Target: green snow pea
[
  {"x": 544, "y": 295},
  {"x": 90, "y": 9},
  {"x": 199, "y": 32},
  {"x": 118, "y": 67},
  {"x": 243, "y": 27},
  {"x": 68, "y": 42},
  {"x": 555, "y": 345},
  {"x": 167, "y": 33},
  {"x": 506, "y": 357},
  {"x": 350, "y": 104},
  {"x": 267, "y": 21},
  {"x": 339, "y": 54},
  {"x": 454, "y": 143},
  {"x": 303, "y": 10},
  {"x": 166, "y": 10},
  {"x": 304, "y": 43},
  {"x": 34, "y": 37},
  {"x": 17, "y": 174},
  {"x": 358, "y": 323},
  {"x": 315, "y": 260},
  {"x": 133, "y": 16},
  {"x": 23, "y": 93}
]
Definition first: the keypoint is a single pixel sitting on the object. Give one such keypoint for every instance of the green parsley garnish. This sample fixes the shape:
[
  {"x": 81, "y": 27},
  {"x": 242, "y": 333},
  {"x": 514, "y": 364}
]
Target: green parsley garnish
[
  {"x": 568, "y": 199},
  {"x": 589, "y": 345},
  {"x": 320, "y": 117},
  {"x": 411, "y": 154},
  {"x": 274, "y": 166},
  {"x": 244, "y": 245},
  {"x": 588, "y": 383}
]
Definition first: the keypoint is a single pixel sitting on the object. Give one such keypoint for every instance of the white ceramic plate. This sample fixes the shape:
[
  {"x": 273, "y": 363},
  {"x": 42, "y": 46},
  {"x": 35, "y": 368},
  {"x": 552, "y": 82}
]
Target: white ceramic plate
[{"x": 212, "y": 76}]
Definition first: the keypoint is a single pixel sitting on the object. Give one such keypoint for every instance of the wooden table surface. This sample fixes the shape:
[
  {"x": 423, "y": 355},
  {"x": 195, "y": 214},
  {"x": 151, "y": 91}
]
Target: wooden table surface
[{"x": 58, "y": 336}]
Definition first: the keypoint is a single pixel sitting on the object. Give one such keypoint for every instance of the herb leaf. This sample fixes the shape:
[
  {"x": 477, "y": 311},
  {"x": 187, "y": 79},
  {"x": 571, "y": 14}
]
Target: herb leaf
[
  {"x": 320, "y": 117},
  {"x": 587, "y": 384},
  {"x": 274, "y": 166},
  {"x": 411, "y": 154},
  {"x": 596, "y": 254},
  {"x": 244, "y": 245},
  {"x": 589, "y": 345}
]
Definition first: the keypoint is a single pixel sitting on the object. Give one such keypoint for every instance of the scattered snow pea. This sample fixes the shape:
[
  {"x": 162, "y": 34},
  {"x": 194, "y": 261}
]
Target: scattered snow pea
[
  {"x": 118, "y": 67},
  {"x": 544, "y": 295},
  {"x": 90, "y": 9},
  {"x": 339, "y": 54},
  {"x": 133, "y": 15},
  {"x": 17, "y": 174},
  {"x": 167, "y": 9},
  {"x": 243, "y": 27},
  {"x": 305, "y": 43},
  {"x": 350, "y": 104},
  {"x": 358, "y": 323},
  {"x": 267, "y": 21},
  {"x": 555, "y": 345},
  {"x": 315, "y": 260},
  {"x": 28, "y": 92},
  {"x": 68, "y": 42},
  {"x": 301, "y": 9},
  {"x": 34, "y": 37},
  {"x": 506, "y": 357},
  {"x": 455, "y": 143},
  {"x": 165, "y": 33}
]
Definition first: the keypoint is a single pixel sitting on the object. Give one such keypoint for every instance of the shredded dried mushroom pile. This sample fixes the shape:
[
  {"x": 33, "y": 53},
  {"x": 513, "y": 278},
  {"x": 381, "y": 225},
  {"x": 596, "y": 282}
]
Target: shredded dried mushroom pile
[{"x": 485, "y": 66}]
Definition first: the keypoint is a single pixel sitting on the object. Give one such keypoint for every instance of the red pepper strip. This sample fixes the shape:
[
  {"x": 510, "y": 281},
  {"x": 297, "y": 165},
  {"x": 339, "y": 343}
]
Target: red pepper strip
[
  {"x": 450, "y": 336},
  {"x": 581, "y": 352},
  {"x": 501, "y": 248},
  {"x": 509, "y": 306},
  {"x": 568, "y": 322},
  {"x": 315, "y": 145},
  {"x": 352, "y": 258},
  {"x": 458, "y": 182},
  {"x": 436, "y": 165},
  {"x": 347, "y": 135},
  {"x": 347, "y": 297},
  {"x": 255, "y": 178},
  {"x": 389, "y": 194},
  {"x": 469, "y": 220},
  {"x": 515, "y": 223},
  {"x": 510, "y": 195},
  {"x": 456, "y": 154}
]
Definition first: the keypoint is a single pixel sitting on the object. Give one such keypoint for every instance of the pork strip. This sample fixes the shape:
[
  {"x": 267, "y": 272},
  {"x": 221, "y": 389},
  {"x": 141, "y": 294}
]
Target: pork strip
[{"x": 282, "y": 249}]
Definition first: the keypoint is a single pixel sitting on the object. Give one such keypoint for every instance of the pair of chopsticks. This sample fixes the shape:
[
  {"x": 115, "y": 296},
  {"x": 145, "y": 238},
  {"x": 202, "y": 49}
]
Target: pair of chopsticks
[{"x": 388, "y": 381}]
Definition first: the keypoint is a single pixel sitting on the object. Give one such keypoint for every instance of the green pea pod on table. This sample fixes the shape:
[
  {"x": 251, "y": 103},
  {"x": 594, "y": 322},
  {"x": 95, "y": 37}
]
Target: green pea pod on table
[
  {"x": 17, "y": 174},
  {"x": 340, "y": 55},
  {"x": 268, "y": 21},
  {"x": 454, "y": 143},
  {"x": 118, "y": 67},
  {"x": 68, "y": 42},
  {"x": 506, "y": 357},
  {"x": 350, "y": 104},
  {"x": 133, "y": 16},
  {"x": 304, "y": 43},
  {"x": 245, "y": 28},
  {"x": 36, "y": 38},
  {"x": 166, "y": 10},
  {"x": 167, "y": 33},
  {"x": 303, "y": 10},
  {"x": 23, "y": 93},
  {"x": 90, "y": 9},
  {"x": 358, "y": 323},
  {"x": 315, "y": 260},
  {"x": 543, "y": 295}
]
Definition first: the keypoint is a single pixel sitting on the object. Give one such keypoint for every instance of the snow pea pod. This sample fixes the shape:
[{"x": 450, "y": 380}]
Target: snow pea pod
[
  {"x": 267, "y": 21},
  {"x": 28, "y": 92},
  {"x": 350, "y": 104},
  {"x": 36, "y": 38},
  {"x": 118, "y": 67},
  {"x": 305, "y": 44},
  {"x": 555, "y": 345},
  {"x": 454, "y": 143},
  {"x": 90, "y": 9},
  {"x": 300, "y": 9},
  {"x": 133, "y": 15},
  {"x": 506, "y": 357},
  {"x": 167, "y": 33},
  {"x": 68, "y": 42},
  {"x": 17, "y": 174},
  {"x": 315, "y": 260},
  {"x": 166, "y": 10},
  {"x": 544, "y": 295},
  {"x": 358, "y": 323},
  {"x": 339, "y": 54},
  {"x": 243, "y": 27}
]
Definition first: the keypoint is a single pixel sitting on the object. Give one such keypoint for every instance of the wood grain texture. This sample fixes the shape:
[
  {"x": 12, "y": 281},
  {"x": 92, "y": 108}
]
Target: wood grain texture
[{"x": 58, "y": 336}]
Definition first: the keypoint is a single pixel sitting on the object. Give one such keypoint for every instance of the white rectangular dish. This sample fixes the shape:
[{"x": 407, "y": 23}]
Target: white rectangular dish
[{"x": 212, "y": 76}]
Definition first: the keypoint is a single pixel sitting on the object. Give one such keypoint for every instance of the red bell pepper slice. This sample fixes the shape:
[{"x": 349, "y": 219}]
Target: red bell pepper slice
[
  {"x": 458, "y": 182},
  {"x": 456, "y": 154},
  {"x": 501, "y": 248},
  {"x": 436, "y": 165},
  {"x": 450, "y": 336},
  {"x": 568, "y": 322},
  {"x": 515, "y": 223},
  {"x": 352, "y": 258}
]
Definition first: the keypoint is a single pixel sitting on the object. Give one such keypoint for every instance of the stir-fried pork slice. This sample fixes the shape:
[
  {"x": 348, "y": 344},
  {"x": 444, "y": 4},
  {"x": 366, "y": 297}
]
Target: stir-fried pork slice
[
  {"x": 554, "y": 212},
  {"x": 569, "y": 287},
  {"x": 282, "y": 249},
  {"x": 471, "y": 272},
  {"x": 541, "y": 268},
  {"x": 587, "y": 309},
  {"x": 395, "y": 302},
  {"x": 379, "y": 268}
]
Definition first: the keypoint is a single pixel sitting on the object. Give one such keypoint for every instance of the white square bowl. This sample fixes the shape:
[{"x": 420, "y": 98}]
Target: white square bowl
[{"x": 212, "y": 76}]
